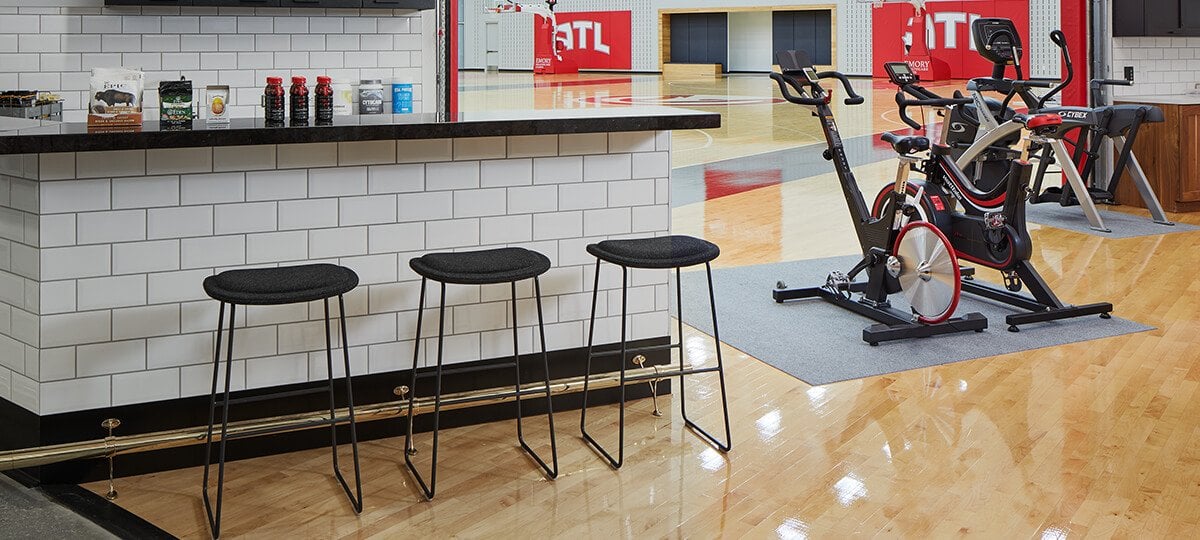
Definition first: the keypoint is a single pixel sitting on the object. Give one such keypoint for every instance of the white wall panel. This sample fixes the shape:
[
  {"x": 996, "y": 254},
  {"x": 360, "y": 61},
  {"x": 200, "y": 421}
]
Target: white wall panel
[
  {"x": 750, "y": 41},
  {"x": 69, "y": 37},
  {"x": 1044, "y": 59},
  {"x": 853, "y": 20}
]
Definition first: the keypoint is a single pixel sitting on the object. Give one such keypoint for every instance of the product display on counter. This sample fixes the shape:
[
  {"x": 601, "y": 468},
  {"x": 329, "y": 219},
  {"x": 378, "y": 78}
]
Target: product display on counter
[
  {"x": 323, "y": 100},
  {"x": 31, "y": 105},
  {"x": 343, "y": 99},
  {"x": 402, "y": 98},
  {"x": 175, "y": 103},
  {"x": 298, "y": 98},
  {"x": 218, "y": 103},
  {"x": 116, "y": 97},
  {"x": 274, "y": 102},
  {"x": 370, "y": 97}
]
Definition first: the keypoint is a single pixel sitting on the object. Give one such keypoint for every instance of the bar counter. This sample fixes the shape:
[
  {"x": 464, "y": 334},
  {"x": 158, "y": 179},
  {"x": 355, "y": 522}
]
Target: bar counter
[
  {"x": 105, "y": 240},
  {"x": 31, "y": 136}
]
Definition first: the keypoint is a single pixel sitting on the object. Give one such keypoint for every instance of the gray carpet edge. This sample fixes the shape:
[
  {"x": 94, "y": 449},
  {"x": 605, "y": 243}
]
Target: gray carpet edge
[{"x": 743, "y": 322}]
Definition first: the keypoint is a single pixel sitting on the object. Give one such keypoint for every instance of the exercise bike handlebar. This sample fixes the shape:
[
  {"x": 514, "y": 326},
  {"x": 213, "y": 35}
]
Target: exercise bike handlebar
[
  {"x": 785, "y": 82},
  {"x": 925, "y": 98},
  {"x": 854, "y": 98},
  {"x": 1111, "y": 82},
  {"x": 1060, "y": 40}
]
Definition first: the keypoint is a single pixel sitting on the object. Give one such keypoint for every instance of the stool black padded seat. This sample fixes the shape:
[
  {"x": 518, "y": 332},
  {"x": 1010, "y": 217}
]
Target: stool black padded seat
[
  {"x": 484, "y": 267},
  {"x": 284, "y": 285},
  {"x": 661, "y": 252},
  {"x": 275, "y": 286},
  {"x": 481, "y": 267}
]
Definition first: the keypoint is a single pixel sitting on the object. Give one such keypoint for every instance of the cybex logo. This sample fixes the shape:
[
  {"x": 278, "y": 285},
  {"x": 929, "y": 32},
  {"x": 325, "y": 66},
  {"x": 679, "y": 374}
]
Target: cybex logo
[
  {"x": 958, "y": 127},
  {"x": 1074, "y": 115},
  {"x": 575, "y": 35}
]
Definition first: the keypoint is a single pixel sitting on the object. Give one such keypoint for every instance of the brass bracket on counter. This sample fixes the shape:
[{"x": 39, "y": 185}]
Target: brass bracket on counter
[
  {"x": 111, "y": 424},
  {"x": 641, "y": 361}
]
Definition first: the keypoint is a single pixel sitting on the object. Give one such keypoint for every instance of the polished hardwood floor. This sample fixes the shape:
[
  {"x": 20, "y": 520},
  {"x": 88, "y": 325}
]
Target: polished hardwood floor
[{"x": 1096, "y": 439}]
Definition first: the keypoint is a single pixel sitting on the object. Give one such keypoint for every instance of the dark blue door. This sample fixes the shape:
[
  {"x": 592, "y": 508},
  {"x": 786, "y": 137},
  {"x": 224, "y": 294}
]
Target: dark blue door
[
  {"x": 700, "y": 38},
  {"x": 810, "y": 31}
]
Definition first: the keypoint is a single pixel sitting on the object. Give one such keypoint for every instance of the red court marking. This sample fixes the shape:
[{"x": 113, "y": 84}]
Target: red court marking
[
  {"x": 682, "y": 100},
  {"x": 721, "y": 183},
  {"x": 556, "y": 84}
]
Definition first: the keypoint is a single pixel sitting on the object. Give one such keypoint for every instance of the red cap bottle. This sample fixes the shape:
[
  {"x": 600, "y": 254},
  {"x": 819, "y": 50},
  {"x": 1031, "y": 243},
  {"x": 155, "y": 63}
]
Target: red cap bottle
[
  {"x": 299, "y": 101},
  {"x": 323, "y": 96},
  {"x": 273, "y": 101}
]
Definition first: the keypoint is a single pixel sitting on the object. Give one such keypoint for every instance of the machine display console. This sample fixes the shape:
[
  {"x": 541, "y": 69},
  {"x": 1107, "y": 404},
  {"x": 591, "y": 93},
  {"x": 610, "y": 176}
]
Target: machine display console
[
  {"x": 811, "y": 75},
  {"x": 901, "y": 74},
  {"x": 997, "y": 40}
]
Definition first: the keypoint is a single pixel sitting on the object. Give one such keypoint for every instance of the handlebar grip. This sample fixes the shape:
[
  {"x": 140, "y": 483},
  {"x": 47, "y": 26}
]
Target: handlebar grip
[
  {"x": 854, "y": 98},
  {"x": 904, "y": 112},
  {"x": 784, "y": 83},
  {"x": 1059, "y": 38},
  {"x": 1034, "y": 84}
]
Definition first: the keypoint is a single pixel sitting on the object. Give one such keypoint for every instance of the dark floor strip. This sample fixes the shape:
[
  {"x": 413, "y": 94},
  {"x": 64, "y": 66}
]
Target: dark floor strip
[{"x": 112, "y": 518}]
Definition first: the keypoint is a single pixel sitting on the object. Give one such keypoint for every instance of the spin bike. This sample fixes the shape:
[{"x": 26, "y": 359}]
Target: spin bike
[
  {"x": 990, "y": 229},
  {"x": 900, "y": 254},
  {"x": 982, "y": 143}
]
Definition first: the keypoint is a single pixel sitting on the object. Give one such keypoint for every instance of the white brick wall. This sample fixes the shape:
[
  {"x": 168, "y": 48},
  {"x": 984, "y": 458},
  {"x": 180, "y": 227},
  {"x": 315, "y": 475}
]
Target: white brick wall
[
  {"x": 112, "y": 311},
  {"x": 1164, "y": 65},
  {"x": 55, "y": 48}
]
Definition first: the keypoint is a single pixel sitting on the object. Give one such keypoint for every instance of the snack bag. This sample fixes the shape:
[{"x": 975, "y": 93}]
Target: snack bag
[
  {"x": 116, "y": 97},
  {"x": 176, "y": 107}
]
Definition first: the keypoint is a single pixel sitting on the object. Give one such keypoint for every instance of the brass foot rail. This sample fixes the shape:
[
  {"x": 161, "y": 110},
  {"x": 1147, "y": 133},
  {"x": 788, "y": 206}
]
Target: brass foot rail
[{"x": 128, "y": 444}]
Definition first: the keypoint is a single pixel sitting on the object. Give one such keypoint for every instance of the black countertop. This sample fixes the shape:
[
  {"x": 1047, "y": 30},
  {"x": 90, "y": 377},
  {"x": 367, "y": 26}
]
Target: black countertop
[{"x": 45, "y": 137}]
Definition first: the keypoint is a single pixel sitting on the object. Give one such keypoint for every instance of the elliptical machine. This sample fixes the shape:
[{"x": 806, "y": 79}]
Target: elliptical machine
[
  {"x": 899, "y": 254},
  {"x": 990, "y": 230},
  {"x": 981, "y": 135}
]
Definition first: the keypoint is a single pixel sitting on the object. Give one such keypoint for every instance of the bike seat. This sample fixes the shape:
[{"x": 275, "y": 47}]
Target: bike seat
[
  {"x": 908, "y": 144},
  {"x": 1041, "y": 122}
]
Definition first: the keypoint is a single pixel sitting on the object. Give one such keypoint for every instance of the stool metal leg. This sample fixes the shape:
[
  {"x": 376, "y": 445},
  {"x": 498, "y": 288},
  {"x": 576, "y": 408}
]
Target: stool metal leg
[
  {"x": 551, "y": 472},
  {"x": 724, "y": 447},
  {"x": 214, "y": 511},
  {"x": 356, "y": 502},
  {"x": 620, "y": 459},
  {"x": 428, "y": 489},
  {"x": 591, "y": 336}
]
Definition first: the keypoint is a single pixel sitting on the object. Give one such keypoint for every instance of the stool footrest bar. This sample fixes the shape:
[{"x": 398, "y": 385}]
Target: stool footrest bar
[{"x": 636, "y": 350}]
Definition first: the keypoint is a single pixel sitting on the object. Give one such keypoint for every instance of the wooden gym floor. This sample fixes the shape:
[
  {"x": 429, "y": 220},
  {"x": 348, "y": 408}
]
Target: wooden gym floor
[{"x": 1097, "y": 439}]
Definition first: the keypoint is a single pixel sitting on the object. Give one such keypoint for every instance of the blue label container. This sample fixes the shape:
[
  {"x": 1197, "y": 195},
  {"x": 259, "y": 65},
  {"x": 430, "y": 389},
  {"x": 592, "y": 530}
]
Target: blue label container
[{"x": 402, "y": 98}]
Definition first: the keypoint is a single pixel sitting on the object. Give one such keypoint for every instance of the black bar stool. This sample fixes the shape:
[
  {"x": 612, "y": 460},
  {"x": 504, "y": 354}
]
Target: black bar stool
[
  {"x": 276, "y": 286},
  {"x": 663, "y": 252},
  {"x": 486, "y": 267}
]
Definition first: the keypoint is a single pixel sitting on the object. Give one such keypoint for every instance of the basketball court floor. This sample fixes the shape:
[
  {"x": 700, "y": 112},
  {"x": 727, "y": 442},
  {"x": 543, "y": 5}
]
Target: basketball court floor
[{"x": 1098, "y": 438}]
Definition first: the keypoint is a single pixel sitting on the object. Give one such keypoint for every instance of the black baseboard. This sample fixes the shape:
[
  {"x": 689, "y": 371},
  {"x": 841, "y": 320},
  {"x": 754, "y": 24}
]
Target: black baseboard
[{"x": 29, "y": 430}]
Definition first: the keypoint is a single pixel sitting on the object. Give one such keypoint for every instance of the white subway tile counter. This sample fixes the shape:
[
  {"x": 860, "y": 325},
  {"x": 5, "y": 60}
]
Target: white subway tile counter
[{"x": 101, "y": 302}]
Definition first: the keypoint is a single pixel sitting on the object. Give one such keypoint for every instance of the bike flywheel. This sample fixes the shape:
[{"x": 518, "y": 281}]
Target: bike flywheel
[{"x": 929, "y": 276}]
